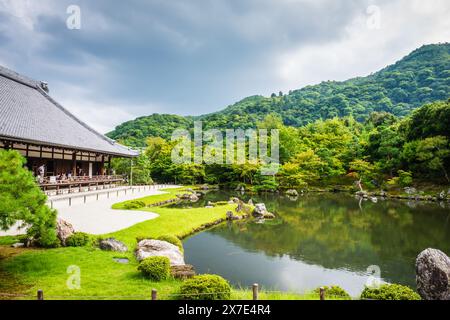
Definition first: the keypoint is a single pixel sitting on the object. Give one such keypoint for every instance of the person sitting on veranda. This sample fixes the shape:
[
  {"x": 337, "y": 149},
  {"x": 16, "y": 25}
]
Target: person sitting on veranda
[{"x": 41, "y": 172}]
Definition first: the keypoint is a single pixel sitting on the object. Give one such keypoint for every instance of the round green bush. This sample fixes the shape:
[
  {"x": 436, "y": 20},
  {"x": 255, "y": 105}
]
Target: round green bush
[
  {"x": 334, "y": 292},
  {"x": 172, "y": 239},
  {"x": 155, "y": 268},
  {"x": 390, "y": 292},
  {"x": 205, "y": 287},
  {"x": 78, "y": 239},
  {"x": 135, "y": 204}
]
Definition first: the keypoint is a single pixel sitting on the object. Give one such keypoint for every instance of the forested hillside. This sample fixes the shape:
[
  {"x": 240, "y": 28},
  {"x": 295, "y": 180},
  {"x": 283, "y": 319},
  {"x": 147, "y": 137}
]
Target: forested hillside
[
  {"x": 419, "y": 78},
  {"x": 383, "y": 152}
]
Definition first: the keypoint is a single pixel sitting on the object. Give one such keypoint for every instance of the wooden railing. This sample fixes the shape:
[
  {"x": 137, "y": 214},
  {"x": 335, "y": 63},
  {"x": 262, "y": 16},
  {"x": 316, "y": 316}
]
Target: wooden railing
[
  {"x": 77, "y": 179},
  {"x": 77, "y": 183}
]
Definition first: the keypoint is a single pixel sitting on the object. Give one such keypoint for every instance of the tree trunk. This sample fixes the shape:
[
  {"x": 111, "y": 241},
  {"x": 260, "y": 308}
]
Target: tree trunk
[
  {"x": 360, "y": 185},
  {"x": 445, "y": 173}
]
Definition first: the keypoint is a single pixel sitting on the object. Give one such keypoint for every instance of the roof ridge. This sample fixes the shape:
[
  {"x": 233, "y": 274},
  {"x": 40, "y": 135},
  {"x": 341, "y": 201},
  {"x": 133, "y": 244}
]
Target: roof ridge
[{"x": 17, "y": 77}]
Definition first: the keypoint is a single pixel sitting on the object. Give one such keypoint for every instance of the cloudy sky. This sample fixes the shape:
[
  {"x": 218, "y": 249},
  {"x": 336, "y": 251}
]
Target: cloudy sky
[{"x": 189, "y": 57}]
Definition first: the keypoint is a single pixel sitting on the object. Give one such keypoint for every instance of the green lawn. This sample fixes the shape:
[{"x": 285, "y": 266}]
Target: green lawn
[{"x": 28, "y": 270}]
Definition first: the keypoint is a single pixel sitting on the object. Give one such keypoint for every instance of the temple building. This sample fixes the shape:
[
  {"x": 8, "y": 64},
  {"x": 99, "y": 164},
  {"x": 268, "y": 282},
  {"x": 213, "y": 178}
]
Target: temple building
[{"x": 60, "y": 149}]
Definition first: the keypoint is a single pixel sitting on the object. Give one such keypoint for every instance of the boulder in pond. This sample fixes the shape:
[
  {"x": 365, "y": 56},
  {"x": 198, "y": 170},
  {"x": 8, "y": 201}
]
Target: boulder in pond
[
  {"x": 64, "y": 230},
  {"x": 433, "y": 275},
  {"x": 149, "y": 248},
  {"x": 362, "y": 194},
  {"x": 112, "y": 244},
  {"x": 260, "y": 211},
  {"x": 292, "y": 192}
]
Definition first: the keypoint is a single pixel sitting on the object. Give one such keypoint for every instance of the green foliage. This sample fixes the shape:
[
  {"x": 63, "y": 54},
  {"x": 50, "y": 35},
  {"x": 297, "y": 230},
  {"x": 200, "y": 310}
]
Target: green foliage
[
  {"x": 141, "y": 169},
  {"x": 390, "y": 292},
  {"x": 205, "y": 287},
  {"x": 157, "y": 125},
  {"x": 78, "y": 239},
  {"x": 173, "y": 240},
  {"x": 334, "y": 292},
  {"x": 220, "y": 203},
  {"x": 22, "y": 199},
  {"x": 155, "y": 268},
  {"x": 405, "y": 178},
  {"x": 134, "y": 204}
]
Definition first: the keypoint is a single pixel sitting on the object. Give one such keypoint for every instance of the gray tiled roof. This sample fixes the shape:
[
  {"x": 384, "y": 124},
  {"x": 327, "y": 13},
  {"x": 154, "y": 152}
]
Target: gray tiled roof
[{"x": 28, "y": 113}]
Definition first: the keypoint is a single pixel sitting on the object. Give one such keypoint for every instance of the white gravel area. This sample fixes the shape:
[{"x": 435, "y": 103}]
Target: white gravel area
[{"x": 96, "y": 216}]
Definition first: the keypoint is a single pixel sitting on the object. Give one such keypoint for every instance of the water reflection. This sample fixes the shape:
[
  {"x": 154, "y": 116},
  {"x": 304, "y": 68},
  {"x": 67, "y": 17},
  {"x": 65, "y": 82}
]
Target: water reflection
[{"x": 321, "y": 240}]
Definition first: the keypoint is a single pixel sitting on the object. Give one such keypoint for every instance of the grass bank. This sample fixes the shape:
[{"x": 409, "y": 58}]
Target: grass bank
[{"x": 100, "y": 276}]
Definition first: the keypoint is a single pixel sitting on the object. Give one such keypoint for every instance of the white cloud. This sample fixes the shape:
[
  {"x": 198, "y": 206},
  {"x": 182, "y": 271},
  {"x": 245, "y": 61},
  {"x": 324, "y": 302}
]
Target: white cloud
[
  {"x": 102, "y": 116},
  {"x": 404, "y": 26}
]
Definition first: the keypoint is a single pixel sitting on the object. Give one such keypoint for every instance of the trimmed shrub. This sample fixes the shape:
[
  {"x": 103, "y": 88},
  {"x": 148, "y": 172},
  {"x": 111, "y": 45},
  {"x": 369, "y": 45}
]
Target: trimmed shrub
[
  {"x": 334, "y": 292},
  {"x": 390, "y": 292},
  {"x": 78, "y": 239},
  {"x": 173, "y": 240},
  {"x": 155, "y": 268},
  {"x": 205, "y": 287},
  {"x": 135, "y": 204}
]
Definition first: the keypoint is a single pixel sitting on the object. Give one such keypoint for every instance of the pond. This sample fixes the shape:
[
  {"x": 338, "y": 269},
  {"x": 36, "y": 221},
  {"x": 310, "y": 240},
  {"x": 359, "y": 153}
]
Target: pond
[{"x": 321, "y": 239}]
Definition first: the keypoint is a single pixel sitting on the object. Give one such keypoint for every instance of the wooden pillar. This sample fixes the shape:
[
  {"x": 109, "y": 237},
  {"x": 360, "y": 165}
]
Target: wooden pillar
[
  {"x": 322, "y": 293},
  {"x": 102, "y": 165},
  {"x": 109, "y": 165},
  {"x": 74, "y": 164},
  {"x": 255, "y": 291}
]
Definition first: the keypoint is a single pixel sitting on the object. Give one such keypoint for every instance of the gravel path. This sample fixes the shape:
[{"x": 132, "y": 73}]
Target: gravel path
[{"x": 96, "y": 216}]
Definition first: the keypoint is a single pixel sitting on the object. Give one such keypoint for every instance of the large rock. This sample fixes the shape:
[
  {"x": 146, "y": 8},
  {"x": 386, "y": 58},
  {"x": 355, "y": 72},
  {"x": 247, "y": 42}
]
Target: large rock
[
  {"x": 260, "y": 209},
  {"x": 193, "y": 197},
  {"x": 112, "y": 244},
  {"x": 149, "y": 248},
  {"x": 64, "y": 230},
  {"x": 292, "y": 192},
  {"x": 433, "y": 275}
]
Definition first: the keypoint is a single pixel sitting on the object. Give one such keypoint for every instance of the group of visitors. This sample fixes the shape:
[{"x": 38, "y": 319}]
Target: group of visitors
[{"x": 60, "y": 177}]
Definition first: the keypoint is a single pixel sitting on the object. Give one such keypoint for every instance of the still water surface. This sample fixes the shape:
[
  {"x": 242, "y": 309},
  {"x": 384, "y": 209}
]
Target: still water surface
[{"x": 321, "y": 239}]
